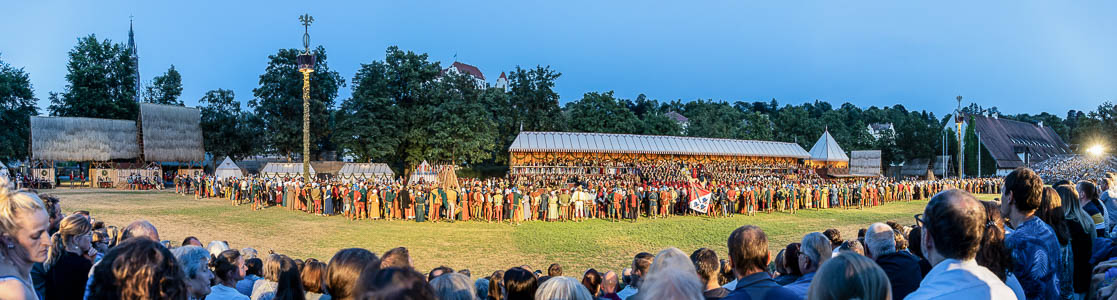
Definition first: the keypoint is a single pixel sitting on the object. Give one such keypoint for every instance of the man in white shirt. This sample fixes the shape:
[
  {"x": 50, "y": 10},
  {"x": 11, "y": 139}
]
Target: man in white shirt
[{"x": 953, "y": 222}]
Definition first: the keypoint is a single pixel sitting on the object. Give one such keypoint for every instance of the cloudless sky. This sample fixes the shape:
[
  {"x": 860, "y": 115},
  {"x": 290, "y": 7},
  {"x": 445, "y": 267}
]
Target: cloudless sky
[{"x": 1021, "y": 56}]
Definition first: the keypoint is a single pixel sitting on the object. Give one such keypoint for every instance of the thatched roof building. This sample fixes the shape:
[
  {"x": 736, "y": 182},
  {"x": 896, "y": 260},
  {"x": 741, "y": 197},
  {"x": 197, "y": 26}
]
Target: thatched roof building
[
  {"x": 171, "y": 133},
  {"x": 83, "y": 139}
]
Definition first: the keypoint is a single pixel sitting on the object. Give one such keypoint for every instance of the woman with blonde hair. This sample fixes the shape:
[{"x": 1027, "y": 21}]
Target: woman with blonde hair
[
  {"x": 69, "y": 258},
  {"x": 23, "y": 240},
  {"x": 672, "y": 276},
  {"x": 850, "y": 277}
]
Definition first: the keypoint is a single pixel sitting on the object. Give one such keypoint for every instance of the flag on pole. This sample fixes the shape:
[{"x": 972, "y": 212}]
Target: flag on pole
[{"x": 699, "y": 198}]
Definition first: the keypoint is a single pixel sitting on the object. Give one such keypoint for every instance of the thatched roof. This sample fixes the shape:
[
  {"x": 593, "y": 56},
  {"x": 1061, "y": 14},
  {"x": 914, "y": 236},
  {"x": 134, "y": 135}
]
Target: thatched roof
[
  {"x": 171, "y": 133},
  {"x": 83, "y": 139}
]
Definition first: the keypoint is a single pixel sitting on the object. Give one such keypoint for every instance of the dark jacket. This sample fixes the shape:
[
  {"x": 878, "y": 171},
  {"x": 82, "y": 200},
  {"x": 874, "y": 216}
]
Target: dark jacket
[
  {"x": 66, "y": 280},
  {"x": 903, "y": 272},
  {"x": 759, "y": 286}
]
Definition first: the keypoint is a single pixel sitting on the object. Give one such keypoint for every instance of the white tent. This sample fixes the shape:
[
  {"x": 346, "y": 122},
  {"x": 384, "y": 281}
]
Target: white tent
[
  {"x": 827, "y": 150},
  {"x": 229, "y": 169},
  {"x": 285, "y": 170},
  {"x": 425, "y": 173},
  {"x": 367, "y": 171}
]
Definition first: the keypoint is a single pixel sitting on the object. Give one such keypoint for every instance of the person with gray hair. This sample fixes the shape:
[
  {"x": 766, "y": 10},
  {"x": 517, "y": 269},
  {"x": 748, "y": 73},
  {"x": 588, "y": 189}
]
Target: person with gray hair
[
  {"x": 562, "y": 288},
  {"x": 453, "y": 286},
  {"x": 901, "y": 268},
  {"x": 672, "y": 276},
  {"x": 216, "y": 247},
  {"x": 248, "y": 253},
  {"x": 816, "y": 250},
  {"x": 194, "y": 262}
]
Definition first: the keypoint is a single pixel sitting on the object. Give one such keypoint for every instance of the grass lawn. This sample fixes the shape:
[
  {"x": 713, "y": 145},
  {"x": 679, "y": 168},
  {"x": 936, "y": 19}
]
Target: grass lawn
[{"x": 480, "y": 247}]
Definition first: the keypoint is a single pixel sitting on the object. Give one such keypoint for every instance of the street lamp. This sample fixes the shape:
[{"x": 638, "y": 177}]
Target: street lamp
[
  {"x": 958, "y": 119},
  {"x": 306, "y": 66}
]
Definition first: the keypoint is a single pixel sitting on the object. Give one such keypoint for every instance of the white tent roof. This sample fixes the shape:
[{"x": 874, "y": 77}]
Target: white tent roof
[
  {"x": 228, "y": 168},
  {"x": 367, "y": 169},
  {"x": 284, "y": 169},
  {"x": 424, "y": 172},
  {"x": 827, "y": 149},
  {"x": 529, "y": 141}
]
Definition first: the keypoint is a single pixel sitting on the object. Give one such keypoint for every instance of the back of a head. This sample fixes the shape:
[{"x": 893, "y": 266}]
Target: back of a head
[
  {"x": 216, "y": 247},
  {"x": 640, "y": 264},
  {"x": 345, "y": 268},
  {"x": 562, "y": 288},
  {"x": 850, "y": 277},
  {"x": 519, "y": 284},
  {"x": 1088, "y": 190},
  {"x": 879, "y": 239},
  {"x": 992, "y": 252},
  {"x": 955, "y": 220},
  {"x": 554, "y": 270},
  {"x": 916, "y": 238},
  {"x": 670, "y": 258},
  {"x": 791, "y": 258},
  {"x": 399, "y": 283},
  {"x": 192, "y": 259},
  {"x": 290, "y": 281},
  {"x": 255, "y": 266},
  {"x": 1026, "y": 189},
  {"x": 1051, "y": 212},
  {"x": 706, "y": 263},
  {"x": 592, "y": 281},
  {"x": 396, "y": 258},
  {"x": 496, "y": 285},
  {"x": 835, "y": 237},
  {"x": 248, "y": 252},
  {"x": 139, "y": 228},
  {"x": 453, "y": 286},
  {"x": 314, "y": 277},
  {"x": 748, "y": 250},
  {"x": 224, "y": 263},
  {"x": 138, "y": 269},
  {"x": 672, "y": 283},
  {"x": 816, "y": 247},
  {"x": 272, "y": 265},
  {"x": 853, "y": 246}
]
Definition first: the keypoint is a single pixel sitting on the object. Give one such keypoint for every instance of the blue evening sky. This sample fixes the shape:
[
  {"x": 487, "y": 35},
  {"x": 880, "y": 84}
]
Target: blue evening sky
[{"x": 1021, "y": 56}]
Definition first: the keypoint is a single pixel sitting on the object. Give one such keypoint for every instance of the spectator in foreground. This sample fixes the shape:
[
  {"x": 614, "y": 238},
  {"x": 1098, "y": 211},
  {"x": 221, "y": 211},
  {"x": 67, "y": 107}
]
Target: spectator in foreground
[
  {"x": 707, "y": 265},
  {"x": 790, "y": 265},
  {"x": 816, "y": 250},
  {"x": 314, "y": 280},
  {"x": 290, "y": 285},
  {"x": 609, "y": 284},
  {"x": 398, "y": 283},
  {"x": 24, "y": 240},
  {"x": 268, "y": 284},
  {"x": 452, "y": 286},
  {"x": 1050, "y": 211},
  {"x": 592, "y": 281},
  {"x": 901, "y": 268},
  {"x": 1032, "y": 238},
  {"x": 229, "y": 269},
  {"x": 915, "y": 238},
  {"x": 563, "y": 288},
  {"x": 496, "y": 286},
  {"x": 748, "y": 253},
  {"x": 69, "y": 259},
  {"x": 671, "y": 276},
  {"x": 554, "y": 270},
  {"x": 952, "y": 224},
  {"x": 1088, "y": 200},
  {"x": 138, "y": 269},
  {"x": 191, "y": 241},
  {"x": 254, "y": 271},
  {"x": 519, "y": 284},
  {"x": 850, "y": 277},
  {"x": 640, "y": 265},
  {"x": 195, "y": 264},
  {"x": 1082, "y": 235},
  {"x": 346, "y": 269},
  {"x": 992, "y": 253}
]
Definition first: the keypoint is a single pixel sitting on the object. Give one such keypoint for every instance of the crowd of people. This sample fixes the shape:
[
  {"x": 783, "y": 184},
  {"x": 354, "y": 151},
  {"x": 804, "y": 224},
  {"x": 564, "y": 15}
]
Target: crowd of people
[
  {"x": 1036, "y": 242},
  {"x": 1075, "y": 167},
  {"x": 572, "y": 192}
]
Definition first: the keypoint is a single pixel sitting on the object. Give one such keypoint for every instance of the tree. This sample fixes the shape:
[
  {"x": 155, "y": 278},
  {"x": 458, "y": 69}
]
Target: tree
[
  {"x": 368, "y": 123},
  {"x": 713, "y": 119},
  {"x": 461, "y": 131},
  {"x": 226, "y": 130},
  {"x": 17, "y": 105},
  {"x": 278, "y": 101},
  {"x": 601, "y": 112},
  {"x": 165, "y": 89},
  {"x": 757, "y": 126},
  {"x": 534, "y": 100},
  {"x": 100, "y": 82}
]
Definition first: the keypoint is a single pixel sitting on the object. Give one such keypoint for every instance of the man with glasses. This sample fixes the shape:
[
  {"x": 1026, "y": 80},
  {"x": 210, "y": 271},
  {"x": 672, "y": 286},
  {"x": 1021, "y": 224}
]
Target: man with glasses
[{"x": 952, "y": 223}]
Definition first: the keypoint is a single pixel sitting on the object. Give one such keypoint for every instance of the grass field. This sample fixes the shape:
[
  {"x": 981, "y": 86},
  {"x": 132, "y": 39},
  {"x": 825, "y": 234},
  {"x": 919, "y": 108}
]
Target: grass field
[{"x": 480, "y": 247}]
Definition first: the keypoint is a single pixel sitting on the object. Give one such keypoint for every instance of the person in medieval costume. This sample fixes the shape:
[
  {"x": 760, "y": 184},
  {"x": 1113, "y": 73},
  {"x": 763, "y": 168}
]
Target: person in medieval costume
[
  {"x": 389, "y": 200},
  {"x": 374, "y": 204},
  {"x": 452, "y": 203},
  {"x": 552, "y": 206},
  {"x": 434, "y": 197},
  {"x": 421, "y": 206}
]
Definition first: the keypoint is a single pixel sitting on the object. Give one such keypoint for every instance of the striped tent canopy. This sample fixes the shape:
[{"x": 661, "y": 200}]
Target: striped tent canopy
[
  {"x": 580, "y": 142},
  {"x": 284, "y": 170},
  {"x": 356, "y": 171}
]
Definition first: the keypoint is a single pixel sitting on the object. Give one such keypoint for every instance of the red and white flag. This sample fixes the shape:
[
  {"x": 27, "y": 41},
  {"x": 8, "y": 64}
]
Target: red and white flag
[{"x": 699, "y": 198}]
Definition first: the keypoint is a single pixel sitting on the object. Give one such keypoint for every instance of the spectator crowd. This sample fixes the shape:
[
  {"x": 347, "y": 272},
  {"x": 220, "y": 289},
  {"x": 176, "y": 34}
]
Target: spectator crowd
[{"x": 1035, "y": 242}]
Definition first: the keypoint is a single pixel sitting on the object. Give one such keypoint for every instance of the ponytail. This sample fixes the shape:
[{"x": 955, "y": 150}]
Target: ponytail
[
  {"x": 55, "y": 251},
  {"x": 73, "y": 226}
]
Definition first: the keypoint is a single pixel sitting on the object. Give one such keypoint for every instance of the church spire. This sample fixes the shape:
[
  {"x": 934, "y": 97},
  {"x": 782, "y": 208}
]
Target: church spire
[{"x": 135, "y": 57}]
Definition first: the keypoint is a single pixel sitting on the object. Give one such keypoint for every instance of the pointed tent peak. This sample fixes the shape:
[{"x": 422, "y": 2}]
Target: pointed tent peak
[
  {"x": 827, "y": 149},
  {"x": 228, "y": 163}
]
